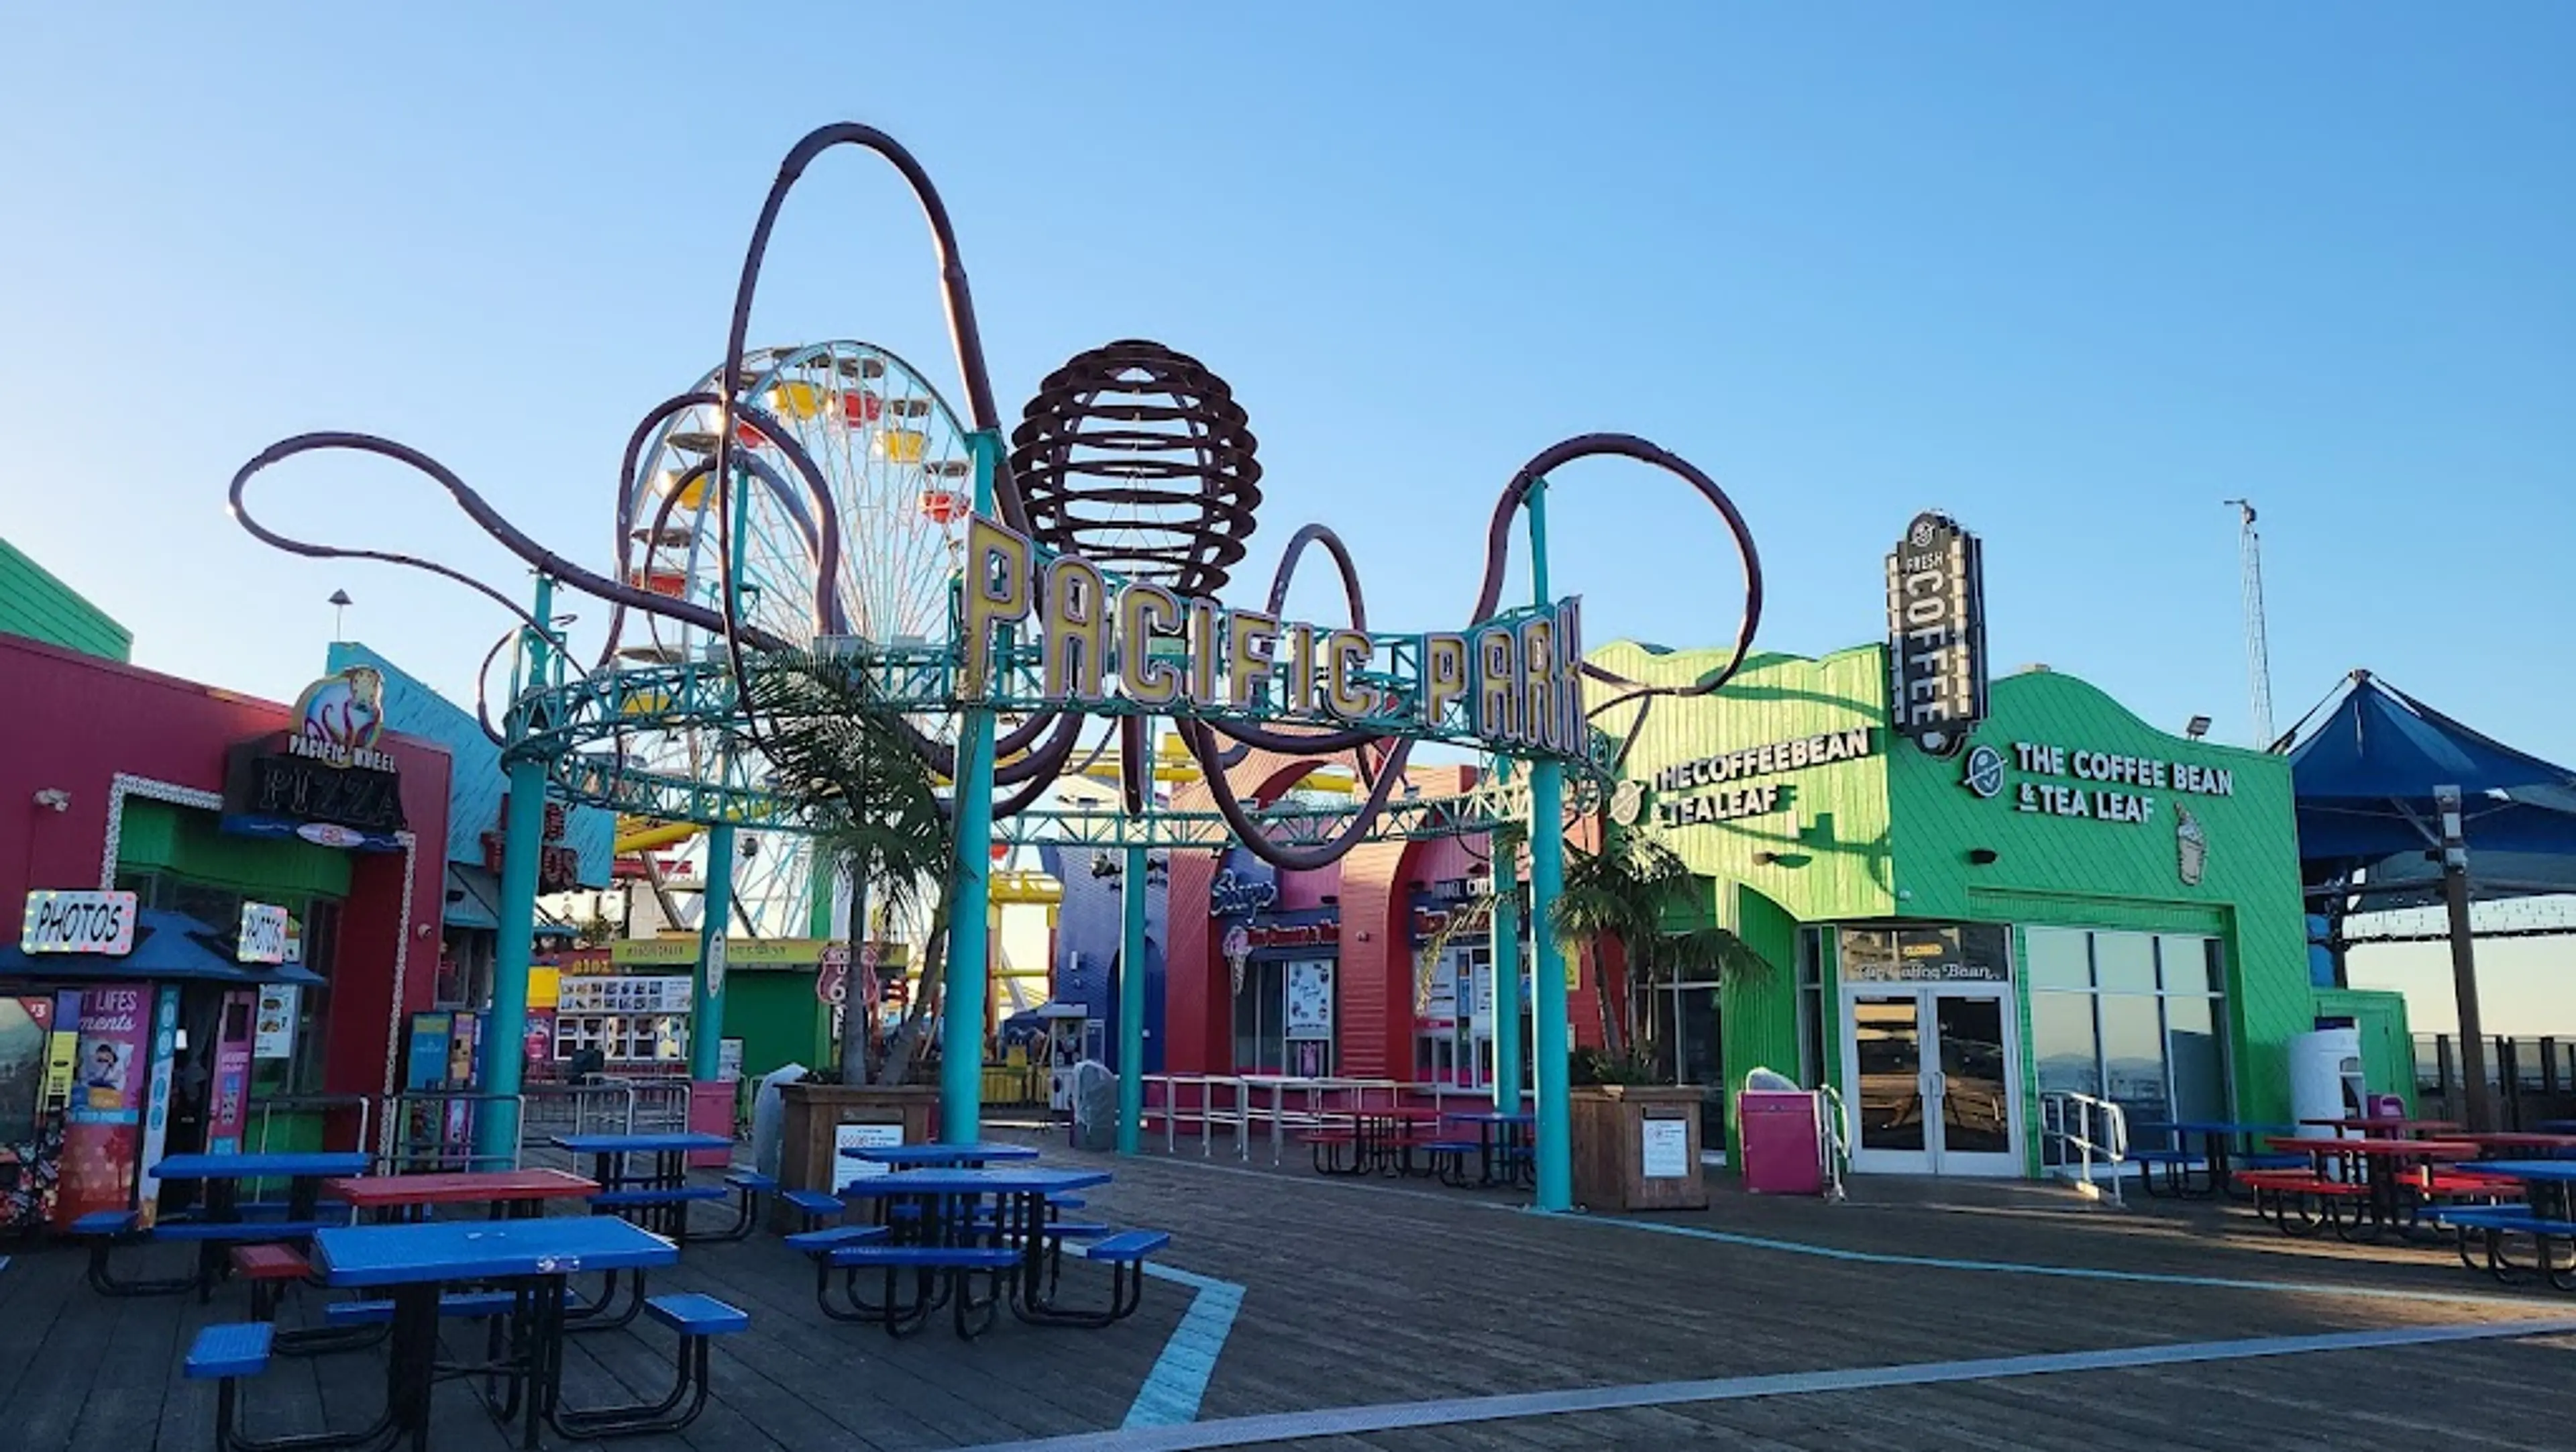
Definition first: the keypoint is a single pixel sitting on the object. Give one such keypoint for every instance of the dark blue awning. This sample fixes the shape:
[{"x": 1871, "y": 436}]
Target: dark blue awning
[
  {"x": 2364, "y": 779},
  {"x": 168, "y": 947}
]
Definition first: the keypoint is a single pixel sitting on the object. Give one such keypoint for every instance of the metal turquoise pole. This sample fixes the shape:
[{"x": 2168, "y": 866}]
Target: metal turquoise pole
[
  {"x": 1131, "y": 1004},
  {"x": 1547, "y": 881},
  {"x": 523, "y": 837},
  {"x": 961, "y": 1007}
]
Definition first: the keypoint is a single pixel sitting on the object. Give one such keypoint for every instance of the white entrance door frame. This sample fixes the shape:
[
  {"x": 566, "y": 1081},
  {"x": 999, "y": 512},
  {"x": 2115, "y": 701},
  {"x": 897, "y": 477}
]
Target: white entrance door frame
[{"x": 1926, "y": 1102}]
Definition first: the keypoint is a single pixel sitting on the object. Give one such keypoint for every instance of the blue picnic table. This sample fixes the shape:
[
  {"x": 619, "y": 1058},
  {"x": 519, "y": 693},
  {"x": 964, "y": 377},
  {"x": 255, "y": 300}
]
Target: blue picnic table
[
  {"x": 2219, "y": 1150},
  {"x": 1503, "y": 1148},
  {"x": 918, "y": 1156},
  {"x": 659, "y": 1197},
  {"x": 532, "y": 1258},
  {"x": 222, "y": 1175},
  {"x": 219, "y": 1222},
  {"x": 945, "y": 1200},
  {"x": 2548, "y": 1215}
]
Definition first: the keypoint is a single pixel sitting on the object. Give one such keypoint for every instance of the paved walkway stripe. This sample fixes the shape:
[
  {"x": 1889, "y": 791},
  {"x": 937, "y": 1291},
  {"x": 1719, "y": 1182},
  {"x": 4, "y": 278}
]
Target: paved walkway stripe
[
  {"x": 1455, "y": 1411},
  {"x": 1173, "y": 1389}
]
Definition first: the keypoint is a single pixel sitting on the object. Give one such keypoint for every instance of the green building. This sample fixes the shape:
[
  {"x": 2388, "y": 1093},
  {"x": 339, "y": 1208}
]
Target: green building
[{"x": 2071, "y": 902}]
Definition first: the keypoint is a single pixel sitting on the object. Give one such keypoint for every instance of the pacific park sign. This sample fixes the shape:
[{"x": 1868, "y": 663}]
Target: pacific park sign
[{"x": 1047, "y": 629}]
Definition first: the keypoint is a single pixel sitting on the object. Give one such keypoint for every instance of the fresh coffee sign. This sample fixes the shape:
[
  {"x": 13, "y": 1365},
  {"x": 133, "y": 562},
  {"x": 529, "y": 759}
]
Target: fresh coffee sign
[{"x": 1936, "y": 634}]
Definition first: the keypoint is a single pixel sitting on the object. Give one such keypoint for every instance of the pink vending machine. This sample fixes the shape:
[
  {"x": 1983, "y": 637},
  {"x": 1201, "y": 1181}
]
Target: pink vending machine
[{"x": 1780, "y": 1133}]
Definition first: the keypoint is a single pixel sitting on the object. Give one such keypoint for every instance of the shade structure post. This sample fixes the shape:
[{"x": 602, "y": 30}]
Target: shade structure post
[
  {"x": 962, "y": 1001},
  {"x": 1555, "y": 1149},
  {"x": 1131, "y": 1003},
  {"x": 523, "y": 840},
  {"x": 2480, "y": 1106}
]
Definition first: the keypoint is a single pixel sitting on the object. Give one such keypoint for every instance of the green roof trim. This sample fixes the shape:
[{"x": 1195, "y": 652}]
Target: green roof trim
[{"x": 35, "y": 604}]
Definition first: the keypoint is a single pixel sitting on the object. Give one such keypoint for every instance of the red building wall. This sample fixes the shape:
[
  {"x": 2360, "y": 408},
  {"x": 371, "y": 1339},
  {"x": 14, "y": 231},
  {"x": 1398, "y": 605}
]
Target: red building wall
[{"x": 72, "y": 722}]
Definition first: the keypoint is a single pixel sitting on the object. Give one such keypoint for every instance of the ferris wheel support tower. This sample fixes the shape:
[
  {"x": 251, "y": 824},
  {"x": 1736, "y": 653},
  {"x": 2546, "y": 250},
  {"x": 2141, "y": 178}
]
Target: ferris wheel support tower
[{"x": 2258, "y": 656}]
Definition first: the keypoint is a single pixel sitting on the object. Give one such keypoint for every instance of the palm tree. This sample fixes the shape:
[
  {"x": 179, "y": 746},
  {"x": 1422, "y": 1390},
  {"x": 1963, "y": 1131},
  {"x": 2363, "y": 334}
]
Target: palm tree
[
  {"x": 1624, "y": 892},
  {"x": 842, "y": 768}
]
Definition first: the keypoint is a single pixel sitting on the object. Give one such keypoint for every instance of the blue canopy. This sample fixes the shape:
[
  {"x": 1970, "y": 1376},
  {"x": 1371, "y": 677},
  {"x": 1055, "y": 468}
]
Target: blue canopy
[
  {"x": 2364, "y": 779},
  {"x": 168, "y": 947}
]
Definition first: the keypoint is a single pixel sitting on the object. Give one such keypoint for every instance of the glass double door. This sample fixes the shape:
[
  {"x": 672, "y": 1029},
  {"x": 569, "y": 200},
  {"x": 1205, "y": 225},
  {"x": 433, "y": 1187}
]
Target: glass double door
[{"x": 1932, "y": 1072}]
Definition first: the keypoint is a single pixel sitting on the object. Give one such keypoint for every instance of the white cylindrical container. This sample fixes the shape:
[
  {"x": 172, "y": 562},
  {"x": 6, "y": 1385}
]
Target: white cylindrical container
[{"x": 2325, "y": 1076}]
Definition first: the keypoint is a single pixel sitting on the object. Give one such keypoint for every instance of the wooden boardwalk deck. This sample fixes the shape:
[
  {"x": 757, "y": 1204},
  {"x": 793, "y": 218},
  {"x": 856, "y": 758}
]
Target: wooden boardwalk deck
[{"x": 1382, "y": 1294}]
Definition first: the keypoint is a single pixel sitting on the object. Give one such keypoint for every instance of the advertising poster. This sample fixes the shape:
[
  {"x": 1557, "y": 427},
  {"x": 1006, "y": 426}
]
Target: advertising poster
[
  {"x": 538, "y": 1044},
  {"x": 274, "y": 1029},
  {"x": 229, "y": 1109},
  {"x": 156, "y": 1104},
  {"x": 111, "y": 1063},
  {"x": 1310, "y": 1000}
]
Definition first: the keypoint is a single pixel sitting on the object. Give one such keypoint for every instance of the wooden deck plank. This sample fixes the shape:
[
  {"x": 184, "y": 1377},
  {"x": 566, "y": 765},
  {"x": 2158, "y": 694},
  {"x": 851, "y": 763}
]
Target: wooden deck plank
[{"x": 1391, "y": 1291}]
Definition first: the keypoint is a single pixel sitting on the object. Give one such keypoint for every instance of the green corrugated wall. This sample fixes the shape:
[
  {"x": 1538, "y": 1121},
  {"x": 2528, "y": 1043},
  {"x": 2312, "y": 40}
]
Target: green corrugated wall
[
  {"x": 35, "y": 604},
  {"x": 1888, "y": 835},
  {"x": 2077, "y": 871}
]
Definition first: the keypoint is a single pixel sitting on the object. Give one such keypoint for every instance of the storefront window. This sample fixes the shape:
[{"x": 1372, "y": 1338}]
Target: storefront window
[
  {"x": 1444, "y": 1049},
  {"x": 317, "y": 920},
  {"x": 1812, "y": 1017},
  {"x": 2057, "y": 958},
  {"x": 1283, "y": 1019},
  {"x": 2130, "y": 1017}
]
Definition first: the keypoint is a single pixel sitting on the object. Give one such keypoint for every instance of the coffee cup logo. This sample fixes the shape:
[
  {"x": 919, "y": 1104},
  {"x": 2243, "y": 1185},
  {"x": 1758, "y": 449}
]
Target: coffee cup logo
[{"x": 2191, "y": 847}]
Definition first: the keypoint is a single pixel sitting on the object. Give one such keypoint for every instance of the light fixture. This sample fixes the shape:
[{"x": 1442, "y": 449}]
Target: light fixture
[
  {"x": 340, "y": 603},
  {"x": 2198, "y": 728}
]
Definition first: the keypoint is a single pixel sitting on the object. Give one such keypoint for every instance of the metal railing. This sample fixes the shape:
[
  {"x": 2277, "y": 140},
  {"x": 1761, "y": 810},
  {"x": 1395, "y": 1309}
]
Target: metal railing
[
  {"x": 1241, "y": 1103},
  {"x": 1836, "y": 1132},
  {"x": 2077, "y": 1131},
  {"x": 433, "y": 1131}
]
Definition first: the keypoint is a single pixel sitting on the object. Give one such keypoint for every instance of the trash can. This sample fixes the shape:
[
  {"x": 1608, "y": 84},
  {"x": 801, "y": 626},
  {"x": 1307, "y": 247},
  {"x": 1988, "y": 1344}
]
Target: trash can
[
  {"x": 1095, "y": 1106},
  {"x": 1780, "y": 1134}
]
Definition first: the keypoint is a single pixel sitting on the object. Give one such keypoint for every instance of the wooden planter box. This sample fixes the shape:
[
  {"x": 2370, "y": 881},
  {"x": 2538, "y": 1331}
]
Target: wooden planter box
[
  {"x": 1636, "y": 1147},
  {"x": 810, "y": 1123}
]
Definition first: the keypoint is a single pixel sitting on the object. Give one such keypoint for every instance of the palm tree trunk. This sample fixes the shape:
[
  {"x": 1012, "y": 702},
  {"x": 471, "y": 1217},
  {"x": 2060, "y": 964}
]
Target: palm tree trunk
[
  {"x": 905, "y": 1045},
  {"x": 1601, "y": 1003},
  {"x": 858, "y": 997}
]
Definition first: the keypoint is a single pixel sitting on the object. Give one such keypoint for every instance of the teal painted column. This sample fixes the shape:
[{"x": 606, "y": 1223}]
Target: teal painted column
[
  {"x": 1547, "y": 881},
  {"x": 706, "y": 1002},
  {"x": 1131, "y": 1005},
  {"x": 962, "y": 1002},
  {"x": 523, "y": 836}
]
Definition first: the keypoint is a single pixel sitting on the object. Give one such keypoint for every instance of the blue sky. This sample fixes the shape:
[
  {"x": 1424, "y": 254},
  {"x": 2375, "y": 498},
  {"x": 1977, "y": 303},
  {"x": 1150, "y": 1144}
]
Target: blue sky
[{"x": 2075, "y": 277}]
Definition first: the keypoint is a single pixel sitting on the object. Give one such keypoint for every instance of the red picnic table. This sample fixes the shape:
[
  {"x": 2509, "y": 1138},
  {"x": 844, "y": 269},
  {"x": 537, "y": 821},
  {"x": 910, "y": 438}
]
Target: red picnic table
[
  {"x": 2393, "y": 1127},
  {"x": 516, "y": 1194},
  {"x": 2372, "y": 1166},
  {"x": 2503, "y": 1144}
]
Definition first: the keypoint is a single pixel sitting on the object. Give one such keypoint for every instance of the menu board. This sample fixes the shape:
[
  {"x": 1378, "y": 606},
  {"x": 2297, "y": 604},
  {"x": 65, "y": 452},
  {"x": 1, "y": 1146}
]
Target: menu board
[{"x": 668, "y": 993}]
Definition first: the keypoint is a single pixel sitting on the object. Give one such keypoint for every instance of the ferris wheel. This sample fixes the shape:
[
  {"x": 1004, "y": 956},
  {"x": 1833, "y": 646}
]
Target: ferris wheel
[{"x": 873, "y": 561}]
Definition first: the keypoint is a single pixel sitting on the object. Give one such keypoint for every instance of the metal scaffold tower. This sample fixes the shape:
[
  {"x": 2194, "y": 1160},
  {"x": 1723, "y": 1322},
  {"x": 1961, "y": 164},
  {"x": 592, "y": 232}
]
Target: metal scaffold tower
[{"x": 2258, "y": 657}]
